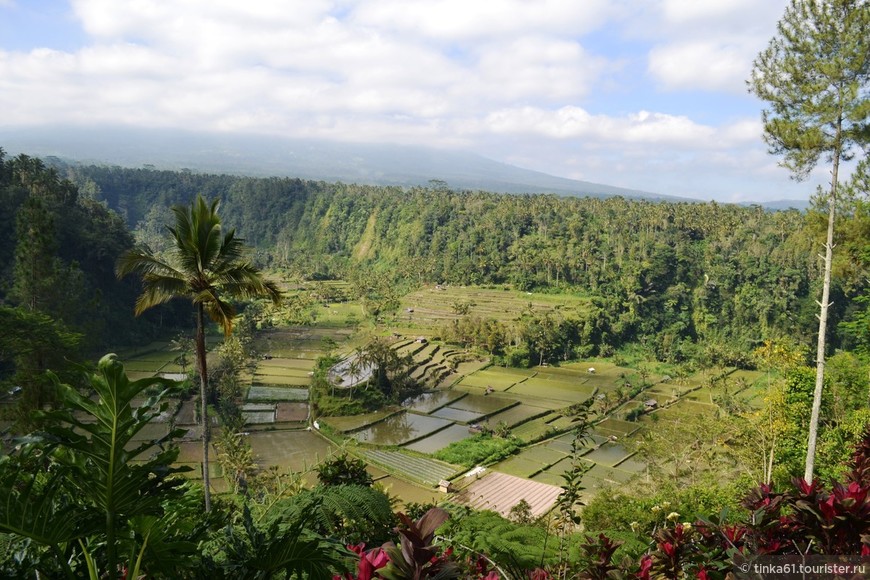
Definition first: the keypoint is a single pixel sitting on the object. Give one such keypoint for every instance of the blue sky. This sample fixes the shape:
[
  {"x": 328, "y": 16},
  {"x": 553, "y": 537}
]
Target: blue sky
[{"x": 646, "y": 94}]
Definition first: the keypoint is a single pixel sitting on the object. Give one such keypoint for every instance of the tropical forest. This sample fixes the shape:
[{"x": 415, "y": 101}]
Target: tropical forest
[{"x": 208, "y": 375}]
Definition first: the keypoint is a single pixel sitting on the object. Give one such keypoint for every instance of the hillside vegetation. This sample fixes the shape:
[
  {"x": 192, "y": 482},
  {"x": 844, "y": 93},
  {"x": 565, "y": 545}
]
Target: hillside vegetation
[
  {"x": 669, "y": 275},
  {"x": 664, "y": 288}
]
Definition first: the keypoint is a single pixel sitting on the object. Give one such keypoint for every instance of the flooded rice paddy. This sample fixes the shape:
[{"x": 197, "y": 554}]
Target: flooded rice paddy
[
  {"x": 438, "y": 441},
  {"x": 401, "y": 428}
]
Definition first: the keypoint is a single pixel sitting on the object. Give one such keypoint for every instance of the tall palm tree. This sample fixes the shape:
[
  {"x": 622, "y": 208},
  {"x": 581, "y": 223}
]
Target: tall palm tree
[{"x": 206, "y": 265}]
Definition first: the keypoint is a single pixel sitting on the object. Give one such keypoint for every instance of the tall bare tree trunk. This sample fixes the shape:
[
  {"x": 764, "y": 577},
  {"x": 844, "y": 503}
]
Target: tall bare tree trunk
[
  {"x": 203, "y": 396},
  {"x": 823, "y": 320}
]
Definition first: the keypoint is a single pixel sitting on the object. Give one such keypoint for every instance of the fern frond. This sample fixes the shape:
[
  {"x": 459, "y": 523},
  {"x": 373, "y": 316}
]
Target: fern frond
[{"x": 339, "y": 510}]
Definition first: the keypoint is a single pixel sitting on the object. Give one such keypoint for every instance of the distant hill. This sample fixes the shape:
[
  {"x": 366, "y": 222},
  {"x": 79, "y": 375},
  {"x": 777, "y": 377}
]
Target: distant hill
[
  {"x": 784, "y": 204},
  {"x": 373, "y": 164}
]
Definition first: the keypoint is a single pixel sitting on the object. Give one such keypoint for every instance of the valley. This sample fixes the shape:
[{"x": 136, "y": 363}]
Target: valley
[
  {"x": 537, "y": 366},
  {"x": 412, "y": 447}
]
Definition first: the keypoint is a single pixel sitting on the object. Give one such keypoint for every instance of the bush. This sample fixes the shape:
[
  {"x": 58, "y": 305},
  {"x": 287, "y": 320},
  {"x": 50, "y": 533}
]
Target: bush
[
  {"x": 343, "y": 470},
  {"x": 480, "y": 449},
  {"x": 518, "y": 357},
  {"x": 615, "y": 511}
]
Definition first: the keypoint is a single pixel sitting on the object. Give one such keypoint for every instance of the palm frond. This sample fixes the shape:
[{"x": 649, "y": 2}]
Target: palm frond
[
  {"x": 245, "y": 281},
  {"x": 161, "y": 280},
  {"x": 219, "y": 311},
  {"x": 141, "y": 260},
  {"x": 207, "y": 265},
  {"x": 159, "y": 292},
  {"x": 206, "y": 225},
  {"x": 232, "y": 249}
]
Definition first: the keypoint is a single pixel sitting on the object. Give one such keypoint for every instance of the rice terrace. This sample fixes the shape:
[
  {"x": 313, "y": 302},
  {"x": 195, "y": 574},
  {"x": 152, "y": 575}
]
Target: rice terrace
[
  {"x": 414, "y": 450},
  {"x": 365, "y": 290}
]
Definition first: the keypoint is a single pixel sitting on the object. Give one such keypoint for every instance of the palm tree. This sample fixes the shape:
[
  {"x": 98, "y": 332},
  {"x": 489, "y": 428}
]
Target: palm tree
[{"x": 206, "y": 265}]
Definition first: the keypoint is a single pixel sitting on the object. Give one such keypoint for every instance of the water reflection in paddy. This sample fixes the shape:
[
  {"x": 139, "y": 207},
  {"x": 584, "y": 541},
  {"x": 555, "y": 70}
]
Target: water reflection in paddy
[
  {"x": 608, "y": 454},
  {"x": 483, "y": 404},
  {"x": 428, "y": 402},
  {"x": 400, "y": 429},
  {"x": 454, "y": 414},
  {"x": 441, "y": 439}
]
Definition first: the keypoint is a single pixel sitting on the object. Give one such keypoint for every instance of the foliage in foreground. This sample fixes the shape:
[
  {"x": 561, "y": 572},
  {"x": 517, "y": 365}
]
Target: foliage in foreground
[
  {"x": 87, "y": 494},
  {"x": 88, "y": 497},
  {"x": 807, "y": 519}
]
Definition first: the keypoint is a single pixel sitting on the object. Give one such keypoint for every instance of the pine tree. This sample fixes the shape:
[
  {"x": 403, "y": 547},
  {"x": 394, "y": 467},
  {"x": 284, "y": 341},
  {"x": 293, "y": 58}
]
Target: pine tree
[{"x": 815, "y": 77}]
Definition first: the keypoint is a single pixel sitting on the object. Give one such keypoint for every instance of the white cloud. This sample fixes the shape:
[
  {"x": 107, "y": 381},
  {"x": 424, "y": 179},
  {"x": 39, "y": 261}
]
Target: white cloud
[
  {"x": 702, "y": 65},
  {"x": 734, "y": 15},
  {"x": 744, "y": 131},
  {"x": 185, "y": 21},
  {"x": 514, "y": 79},
  {"x": 272, "y": 63},
  {"x": 642, "y": 127},
  {"x": 710, "y": 45},
  {"x": 464, "y": 20},
  {"x": 538, "y": 67}
]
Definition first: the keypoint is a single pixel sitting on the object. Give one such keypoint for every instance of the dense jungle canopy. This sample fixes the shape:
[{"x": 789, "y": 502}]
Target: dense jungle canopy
[{"x": 670, "y": 275}]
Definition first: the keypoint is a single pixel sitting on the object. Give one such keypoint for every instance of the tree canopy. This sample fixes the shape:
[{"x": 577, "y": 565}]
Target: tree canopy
[{"x": 815, "y": 77}]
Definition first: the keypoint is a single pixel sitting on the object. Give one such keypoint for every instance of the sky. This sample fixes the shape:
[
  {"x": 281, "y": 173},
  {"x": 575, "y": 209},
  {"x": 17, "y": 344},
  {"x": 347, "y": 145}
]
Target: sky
[{"x": 644, "y": 94}]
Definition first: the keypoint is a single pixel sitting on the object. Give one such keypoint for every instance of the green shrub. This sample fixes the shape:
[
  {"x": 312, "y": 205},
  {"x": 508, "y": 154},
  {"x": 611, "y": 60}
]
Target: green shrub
[
  {"x": 343, "y": 470},
  {"x": 614, "y": 511},
  {"x": 480, "y": 449},
  {"x": 338, "y": 406},
  {"x": 518, "y": 357}
]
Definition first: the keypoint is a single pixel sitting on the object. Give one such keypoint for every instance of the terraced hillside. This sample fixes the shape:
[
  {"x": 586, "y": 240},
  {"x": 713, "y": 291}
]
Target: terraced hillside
[{"x": 427, "y": 309}]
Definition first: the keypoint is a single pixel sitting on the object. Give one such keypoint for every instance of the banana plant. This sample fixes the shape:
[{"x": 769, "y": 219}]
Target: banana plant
[{"x": 88, "y": 489}]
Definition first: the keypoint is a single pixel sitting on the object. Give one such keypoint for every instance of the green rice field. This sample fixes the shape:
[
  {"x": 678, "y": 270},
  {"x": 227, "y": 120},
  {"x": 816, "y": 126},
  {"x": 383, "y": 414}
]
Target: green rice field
[
  {"x": 463, "y": 391},
  {"x": 434, "y": 304},
  {"x": 422, "y": 469},
  {"x": 440, "y": 439},
  {"x": 553, "y": 391},
  {"x": 276, "y": 393},
  {"x": 608, "y": 462},
  {"x": 516, "y": 414},
  {"x": 498, "y": 378}
]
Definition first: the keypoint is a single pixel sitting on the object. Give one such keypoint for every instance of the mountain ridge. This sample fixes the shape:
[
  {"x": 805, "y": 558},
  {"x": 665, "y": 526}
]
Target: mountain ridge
[
  {"x": 318, "y": 160},
  {"x": 265, "y": 156}
]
